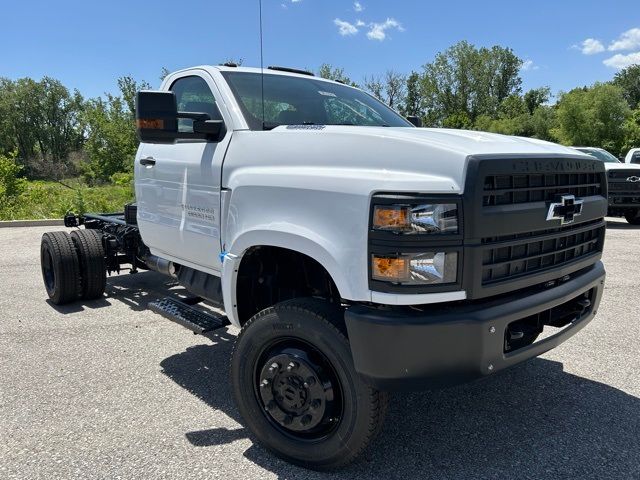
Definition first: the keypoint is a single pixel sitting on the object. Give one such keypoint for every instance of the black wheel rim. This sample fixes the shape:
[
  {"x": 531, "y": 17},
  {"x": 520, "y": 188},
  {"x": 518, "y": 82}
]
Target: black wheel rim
[
  {"x": 298, "y": 390},
  {"x": 47, "y": 270}
]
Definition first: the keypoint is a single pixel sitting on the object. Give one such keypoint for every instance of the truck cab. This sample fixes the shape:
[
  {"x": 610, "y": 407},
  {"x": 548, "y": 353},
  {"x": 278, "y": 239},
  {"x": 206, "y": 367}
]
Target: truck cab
[{"x": 357, "y": 253}]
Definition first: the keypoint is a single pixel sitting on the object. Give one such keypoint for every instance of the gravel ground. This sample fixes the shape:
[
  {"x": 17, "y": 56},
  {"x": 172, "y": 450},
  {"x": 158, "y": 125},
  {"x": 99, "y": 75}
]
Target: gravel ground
[{"x": 108, "y": 389}]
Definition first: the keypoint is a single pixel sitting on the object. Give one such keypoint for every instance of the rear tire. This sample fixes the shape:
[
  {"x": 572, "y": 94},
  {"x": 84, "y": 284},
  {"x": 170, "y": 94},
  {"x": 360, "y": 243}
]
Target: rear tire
[
  {"x": 60, "y": 267},
  {"x": 296, "y": 387},
  {"x": 93, "y": 271},
  {"x": 633, "y": 217}
]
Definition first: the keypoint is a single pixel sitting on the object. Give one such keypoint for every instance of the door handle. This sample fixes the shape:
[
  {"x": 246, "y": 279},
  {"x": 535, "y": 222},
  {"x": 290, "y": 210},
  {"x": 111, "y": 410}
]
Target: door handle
[{"x": 148, "y": 162}]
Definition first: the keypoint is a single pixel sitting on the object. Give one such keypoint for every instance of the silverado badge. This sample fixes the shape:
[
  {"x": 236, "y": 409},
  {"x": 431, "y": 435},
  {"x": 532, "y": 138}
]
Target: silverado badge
[{"x": 565, "y": 209}]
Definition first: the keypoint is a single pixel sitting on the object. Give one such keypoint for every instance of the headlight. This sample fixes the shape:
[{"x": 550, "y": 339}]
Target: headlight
[
  {"x": 428, "y": 218},
  {"x": 429, "y": 268}
]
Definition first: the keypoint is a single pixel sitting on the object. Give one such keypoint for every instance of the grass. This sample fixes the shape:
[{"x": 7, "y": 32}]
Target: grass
[{"x": 44, "y": 199}]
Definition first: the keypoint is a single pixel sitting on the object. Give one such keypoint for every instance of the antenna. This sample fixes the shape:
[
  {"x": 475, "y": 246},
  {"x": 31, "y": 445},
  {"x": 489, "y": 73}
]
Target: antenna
[{"x": 261, "y": 65}]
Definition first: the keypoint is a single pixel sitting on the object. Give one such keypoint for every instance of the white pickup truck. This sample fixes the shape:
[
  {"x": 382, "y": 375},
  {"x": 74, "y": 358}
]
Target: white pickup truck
[
  {"x": 357, "y": 253},
  {"x": 623, "y": 184}
]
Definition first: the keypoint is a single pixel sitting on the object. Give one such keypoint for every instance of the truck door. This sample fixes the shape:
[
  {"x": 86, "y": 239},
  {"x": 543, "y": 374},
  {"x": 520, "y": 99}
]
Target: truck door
[{"x": 178, "y": 185}]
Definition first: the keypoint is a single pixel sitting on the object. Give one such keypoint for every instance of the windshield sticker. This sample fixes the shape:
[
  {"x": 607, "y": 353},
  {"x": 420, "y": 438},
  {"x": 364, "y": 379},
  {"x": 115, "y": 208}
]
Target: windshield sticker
[{"x": 327, "y": 94}]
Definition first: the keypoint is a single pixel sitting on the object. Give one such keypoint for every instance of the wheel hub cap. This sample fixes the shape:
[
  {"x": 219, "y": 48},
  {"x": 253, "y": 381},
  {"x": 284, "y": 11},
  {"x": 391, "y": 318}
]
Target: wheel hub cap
[{"x": 294, "y": 392}]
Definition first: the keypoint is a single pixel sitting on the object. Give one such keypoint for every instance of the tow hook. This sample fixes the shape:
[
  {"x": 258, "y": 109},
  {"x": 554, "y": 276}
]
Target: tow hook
[{"x": 584, "y": 303}]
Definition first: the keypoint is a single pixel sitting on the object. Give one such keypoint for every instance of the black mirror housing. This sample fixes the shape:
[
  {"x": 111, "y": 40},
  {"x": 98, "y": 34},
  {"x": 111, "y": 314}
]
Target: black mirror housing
[
  {"x": 212, "y": 129},
  {"x": 157, "y": 120},
  {"x": 415, "y": 120},
  {"x": 156, "y": 116}
]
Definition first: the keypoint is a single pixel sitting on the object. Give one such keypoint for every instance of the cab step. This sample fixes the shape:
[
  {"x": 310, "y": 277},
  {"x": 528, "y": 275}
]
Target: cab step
[{"x": 189, "y": 317}]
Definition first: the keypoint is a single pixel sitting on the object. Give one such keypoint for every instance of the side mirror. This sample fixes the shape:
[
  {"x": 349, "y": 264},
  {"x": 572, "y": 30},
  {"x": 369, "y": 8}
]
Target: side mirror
[
  {"x": 415, "y": 120},
  {"x": 156, "y": 116}
]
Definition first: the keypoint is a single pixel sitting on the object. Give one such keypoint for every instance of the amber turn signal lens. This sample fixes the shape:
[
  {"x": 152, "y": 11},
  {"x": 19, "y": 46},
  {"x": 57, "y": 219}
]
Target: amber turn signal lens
[
  {"x": 392, "y": 217},
  {"x": 389, "y": 269},
  {"x": 150, "y": 123}
]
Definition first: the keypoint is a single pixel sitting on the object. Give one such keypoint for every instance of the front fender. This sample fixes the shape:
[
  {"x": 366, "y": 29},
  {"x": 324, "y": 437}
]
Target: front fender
[{"x": 310, "y": 245}]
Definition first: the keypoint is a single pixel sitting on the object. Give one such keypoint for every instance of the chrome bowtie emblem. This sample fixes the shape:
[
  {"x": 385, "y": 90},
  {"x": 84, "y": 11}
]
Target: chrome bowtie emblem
[
  {"x": 566, "y": 209},
  {"x": 633, "y": 179}
]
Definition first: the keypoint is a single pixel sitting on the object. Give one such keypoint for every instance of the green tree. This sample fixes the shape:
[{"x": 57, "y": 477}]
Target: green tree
[
  {"x": 632, "y": 131},
  {"x": 628, "y": 80},
  {"x": 536, "y": 97},
  {"x": 112, "y": 141},
  {"x": 543, "y": 122},
  {"x": 593, "y": 117},
  {"x": 334, "y": 73},
  {"x": 464, "y": 82},
  {"x": 413, "y": 98},
  {"x": 41, "y": 120},
  {"x": 394, "y": 89},
  {"x": 390, "y": 88},
  {"x": 11, "y": 185},
  {"x": 374, "y": 85}
]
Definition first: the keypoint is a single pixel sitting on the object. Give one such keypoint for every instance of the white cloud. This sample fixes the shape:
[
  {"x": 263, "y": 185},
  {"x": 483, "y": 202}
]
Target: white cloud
[
  {"x": 345, "y": 28},
  {"x": 619, "y": 61},
  {"x": 591, "y": 46},
  {"x": 357, "y": 6},
  {"x": 629, "y": 40},
  {"x": 528, "y": 65},
  {"x": 360, "y": 23},
  {"x": 295, "y": 1},
  {"x": 378, "y": 31}
]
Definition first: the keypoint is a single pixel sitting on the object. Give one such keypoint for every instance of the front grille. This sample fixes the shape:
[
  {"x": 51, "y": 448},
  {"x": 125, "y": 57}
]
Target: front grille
[
  {"x": 539, "y": 187},
  {"x": 623, "y": 174},
  {"x": 624, "y": 187},
  {"x": 514, "y": 256}
]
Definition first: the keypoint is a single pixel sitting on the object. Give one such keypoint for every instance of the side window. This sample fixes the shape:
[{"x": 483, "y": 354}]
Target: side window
[
  {"x": 193, "y": 95},
  {"x": 635, "y": 157}
]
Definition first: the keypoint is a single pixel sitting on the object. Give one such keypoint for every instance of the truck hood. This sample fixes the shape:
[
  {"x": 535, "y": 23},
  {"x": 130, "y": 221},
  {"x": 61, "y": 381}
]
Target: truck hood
[
  {"x": 464, "y": 142},
  {"x": 366, "y": 160},
  {"x": 621, "y": 166}
]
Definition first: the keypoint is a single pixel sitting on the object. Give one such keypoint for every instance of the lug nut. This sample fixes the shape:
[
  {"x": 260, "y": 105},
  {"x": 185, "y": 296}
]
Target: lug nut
[
  {"x": 292, "y": 366},
  {"x": 310, "y": 382},
  {"x": 264, "y": 383},
  {"x": 306, "y": 420},
  {"x": 316, "y": 404},
  {"x": 492, "y": 330},
  {"x": 274, "y": 367},
  {"x": 269, "y": 406}
]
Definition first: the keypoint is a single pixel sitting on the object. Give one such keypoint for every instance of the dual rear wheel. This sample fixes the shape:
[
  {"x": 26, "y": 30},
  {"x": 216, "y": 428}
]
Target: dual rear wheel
[{"x": 73, "y": 265}]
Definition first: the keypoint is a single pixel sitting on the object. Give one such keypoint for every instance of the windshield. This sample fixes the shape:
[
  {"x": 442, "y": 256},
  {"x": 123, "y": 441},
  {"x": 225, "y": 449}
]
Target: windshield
[
  {"x": 600, "y": 155},
  {"x": 292, "y": 100}
]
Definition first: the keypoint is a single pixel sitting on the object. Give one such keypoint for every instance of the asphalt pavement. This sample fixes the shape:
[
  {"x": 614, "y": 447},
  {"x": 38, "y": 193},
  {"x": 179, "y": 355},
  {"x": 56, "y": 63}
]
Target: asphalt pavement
[{"x": 107, "y": 390}]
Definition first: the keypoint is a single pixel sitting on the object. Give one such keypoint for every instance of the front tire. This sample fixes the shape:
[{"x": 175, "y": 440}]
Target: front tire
[
  {"x": 633, "y": 217},
  {"x": 296, "y": 387}
]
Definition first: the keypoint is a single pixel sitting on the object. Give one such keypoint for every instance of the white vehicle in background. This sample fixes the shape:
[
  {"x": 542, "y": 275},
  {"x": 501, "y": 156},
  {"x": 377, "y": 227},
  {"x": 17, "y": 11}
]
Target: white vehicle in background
[
  {"x": 633, "y": 156},
  {"x": 623, "y": 183},
  {"x": 357, "y": 253}
]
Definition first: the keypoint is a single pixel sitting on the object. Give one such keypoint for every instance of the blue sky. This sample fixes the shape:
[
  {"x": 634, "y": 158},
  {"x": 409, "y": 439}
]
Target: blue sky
[{"x": 88, "y": 44}]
